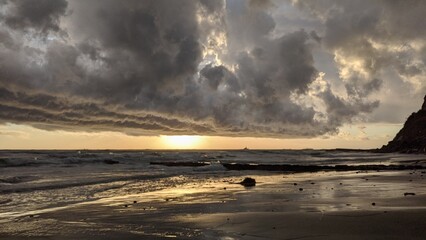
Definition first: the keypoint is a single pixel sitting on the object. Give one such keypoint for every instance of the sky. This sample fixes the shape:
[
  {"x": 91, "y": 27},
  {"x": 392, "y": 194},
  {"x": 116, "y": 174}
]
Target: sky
[{"x": 209, "y": 74}]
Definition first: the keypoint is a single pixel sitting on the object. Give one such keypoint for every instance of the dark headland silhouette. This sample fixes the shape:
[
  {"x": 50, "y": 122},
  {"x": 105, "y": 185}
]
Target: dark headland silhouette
[{"x": 412, "y": 137}]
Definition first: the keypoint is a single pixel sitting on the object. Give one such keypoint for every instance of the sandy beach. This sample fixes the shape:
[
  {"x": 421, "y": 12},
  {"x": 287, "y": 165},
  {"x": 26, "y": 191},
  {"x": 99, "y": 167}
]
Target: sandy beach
[{"x": 322, "y": 205}]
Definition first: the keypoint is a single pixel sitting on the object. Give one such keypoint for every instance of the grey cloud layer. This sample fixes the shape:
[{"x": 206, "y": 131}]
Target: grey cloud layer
[
  {"x": 376, "y": 44},
  {"x": 150, "y": 67}
]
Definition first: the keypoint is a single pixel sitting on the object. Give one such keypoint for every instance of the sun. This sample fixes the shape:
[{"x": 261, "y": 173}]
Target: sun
[{"x": 181, "y": 142}]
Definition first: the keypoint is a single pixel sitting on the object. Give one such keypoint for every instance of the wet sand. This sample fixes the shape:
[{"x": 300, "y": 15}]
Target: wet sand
[{"x": 322, "y": 205}]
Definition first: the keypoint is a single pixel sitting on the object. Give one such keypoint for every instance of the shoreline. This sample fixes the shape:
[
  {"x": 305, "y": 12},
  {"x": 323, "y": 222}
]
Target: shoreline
[{"x": 321, "y": 205}]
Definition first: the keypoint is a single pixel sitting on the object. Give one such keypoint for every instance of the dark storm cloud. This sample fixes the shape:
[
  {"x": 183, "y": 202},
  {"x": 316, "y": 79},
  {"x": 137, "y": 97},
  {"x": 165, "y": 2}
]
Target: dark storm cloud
[
  {"x": 215, "y": 75},
  {"x": 377, "y": 48},
  {"x": 151, "y": 46},
  {"x": 180, "y": 67},
  {"x": 212, "y": 6},
  {"x": 123, "y": 62},
  {"x": 276, "y": 68},
  {"x": 339, "y": 110},
  {"x": 378, "y": 34},
  {"x": 45, "y": 110},
  {"x": 260, "y": 3},
  {"x": 41, "y": 15}
]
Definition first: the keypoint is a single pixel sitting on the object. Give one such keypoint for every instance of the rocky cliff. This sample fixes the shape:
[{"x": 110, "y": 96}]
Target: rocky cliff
[{"x": 412, "y": 137}]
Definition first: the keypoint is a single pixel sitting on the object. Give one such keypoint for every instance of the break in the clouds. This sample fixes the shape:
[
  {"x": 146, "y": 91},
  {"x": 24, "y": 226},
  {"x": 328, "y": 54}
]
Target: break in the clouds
[{"x": 207, "y": 67}]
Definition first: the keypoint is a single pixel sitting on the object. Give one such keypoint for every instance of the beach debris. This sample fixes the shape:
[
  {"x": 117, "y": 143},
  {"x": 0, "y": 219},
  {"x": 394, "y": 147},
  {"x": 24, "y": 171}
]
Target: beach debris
[
  {"x": 409, "y": 194},
  {"x": 109, "y": 161},
  {"x": 373, "y": 204},
  {"x": 126, "y": 205},
  {"x": 248, "y": 182},
  {"x": 295, "y": 184},
  {"x": 135, "y": 201},
  {"x": 300, "y": 189}
]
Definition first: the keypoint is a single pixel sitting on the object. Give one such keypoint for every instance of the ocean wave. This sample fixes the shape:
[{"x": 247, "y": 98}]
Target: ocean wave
[
  {"x": 60, "y": 185},
  {"x": 18, "y": 179}
]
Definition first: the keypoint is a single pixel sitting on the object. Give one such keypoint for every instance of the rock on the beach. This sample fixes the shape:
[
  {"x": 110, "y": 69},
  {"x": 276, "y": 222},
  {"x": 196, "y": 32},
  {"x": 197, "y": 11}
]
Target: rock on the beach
[
  {"x": 248, "y": 182},
  {"x": 109, "y": 161},
  {"x": 409, "y": 194}
]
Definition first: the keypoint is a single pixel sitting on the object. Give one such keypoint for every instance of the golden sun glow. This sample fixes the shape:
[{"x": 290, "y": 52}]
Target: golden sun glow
[{"x": 181, "y": 142}]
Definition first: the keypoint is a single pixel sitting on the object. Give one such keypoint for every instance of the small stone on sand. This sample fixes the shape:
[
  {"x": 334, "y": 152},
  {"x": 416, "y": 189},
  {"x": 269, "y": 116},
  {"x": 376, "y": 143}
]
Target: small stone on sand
[
  {"x": 248, "y": 182},
  {"x": 409, "y": 194}
]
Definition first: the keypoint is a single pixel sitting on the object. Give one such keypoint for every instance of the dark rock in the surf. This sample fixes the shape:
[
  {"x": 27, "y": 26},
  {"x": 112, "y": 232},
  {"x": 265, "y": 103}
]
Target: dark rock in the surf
[
  {"x": 317, "y": 168},
  {"x": 109, "y": 161},
  {"x": 248, "y": 182},
  {"x": 412, "y": 137},
  {"x": 181, "y": 164}
]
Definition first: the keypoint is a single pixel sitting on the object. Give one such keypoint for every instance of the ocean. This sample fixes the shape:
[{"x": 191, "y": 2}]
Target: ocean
[{"x": 38, "y": 180}]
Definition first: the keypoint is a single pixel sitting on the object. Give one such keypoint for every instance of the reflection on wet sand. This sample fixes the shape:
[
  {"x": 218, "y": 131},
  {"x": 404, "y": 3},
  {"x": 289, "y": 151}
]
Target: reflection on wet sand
[{"x": 331, "y": 205}]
